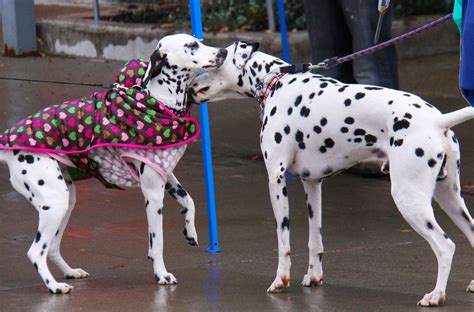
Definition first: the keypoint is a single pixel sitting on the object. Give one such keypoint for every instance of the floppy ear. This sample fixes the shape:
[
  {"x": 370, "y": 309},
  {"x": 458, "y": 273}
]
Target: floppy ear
[
  {"x": 243, "y": 51},
  {"x": 255, "y": 45},
  {"x": 154, "y": 67}
]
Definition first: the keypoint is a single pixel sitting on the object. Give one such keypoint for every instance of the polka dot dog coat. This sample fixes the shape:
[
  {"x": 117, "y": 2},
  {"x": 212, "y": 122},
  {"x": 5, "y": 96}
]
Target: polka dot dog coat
[{"x": 83, "y": 133}]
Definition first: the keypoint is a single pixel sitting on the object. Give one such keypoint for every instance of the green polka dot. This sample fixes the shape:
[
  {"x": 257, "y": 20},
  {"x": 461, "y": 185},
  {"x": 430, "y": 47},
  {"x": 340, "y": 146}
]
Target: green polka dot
[
  {"x": 167, "y": 133},
  {"x": 132, "y": 132},
  {"x": 90, "y": 101},
  {"x": 151, "y": 101},
  {"x": 71, "y": 110},
  {"x": 151, "y": 112},
  {"x": 192, "y": 128},
  {"x": 129, "y": 91},
  {"x": 72, "y": 136},
  {"x": 115, "y": 140},
  {"x": 20, "y": 129},
  {"x": 97, "y": 129},
  {"x": 121, "y": 77},
  {"x": 39, "y": 135},
  {"x": 113, "y": 120},
  {"x": 127, "y": 107},
  {"x": 147, "y": 119},
  {"x": 99, "y": 104},
  {"x": 130, "y": 98},
  {"x": 141, "y": 71},
  {"x": 36, "y": 115},
  {"x": 88, "y": 120}
]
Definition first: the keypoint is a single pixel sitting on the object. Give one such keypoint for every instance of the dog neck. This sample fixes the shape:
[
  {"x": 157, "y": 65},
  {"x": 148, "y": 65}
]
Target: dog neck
[
  {"x": 169, "y": 86},
  {"x": 258, "y": 71}
]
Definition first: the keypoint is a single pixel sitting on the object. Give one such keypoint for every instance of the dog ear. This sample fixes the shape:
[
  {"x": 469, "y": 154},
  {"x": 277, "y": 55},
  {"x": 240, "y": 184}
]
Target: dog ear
[
  {"x": 255, "y": 45},
  {"x": 154, "y": 67},
  {"x": 243, "y": 51}
]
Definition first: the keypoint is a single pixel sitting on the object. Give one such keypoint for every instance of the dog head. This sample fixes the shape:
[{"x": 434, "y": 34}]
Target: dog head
[
  {"x": 226, "y": 81},
  {"x": 184, "y": 52}
]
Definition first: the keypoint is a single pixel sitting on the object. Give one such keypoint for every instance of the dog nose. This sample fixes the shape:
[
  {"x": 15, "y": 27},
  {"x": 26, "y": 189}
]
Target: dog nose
[{"x": 222, "y": 53}]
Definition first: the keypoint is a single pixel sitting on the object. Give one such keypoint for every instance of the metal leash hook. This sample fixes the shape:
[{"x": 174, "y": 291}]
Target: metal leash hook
[
  {"x": 383, "y": 8},
  {"x": 305, "y": 67}
]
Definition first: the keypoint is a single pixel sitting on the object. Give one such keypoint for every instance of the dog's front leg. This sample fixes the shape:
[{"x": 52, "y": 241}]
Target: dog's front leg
[
  {"x": 153, "y": 188},
  {"x": 183, "y": 198},
  {"x": 279, "y": 200},
  {"x": 314, "y": 277}
]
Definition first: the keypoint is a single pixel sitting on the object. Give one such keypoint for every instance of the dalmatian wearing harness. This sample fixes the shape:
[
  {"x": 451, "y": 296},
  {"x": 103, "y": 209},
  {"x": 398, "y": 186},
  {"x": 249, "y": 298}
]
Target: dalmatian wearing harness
[
  {"x": 315, "y": 126},
  {"x": 138, "y": 107}
]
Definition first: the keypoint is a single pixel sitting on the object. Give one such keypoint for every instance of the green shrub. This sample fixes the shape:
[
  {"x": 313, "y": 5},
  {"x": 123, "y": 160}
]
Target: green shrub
[{"x": 230, "y": 15}]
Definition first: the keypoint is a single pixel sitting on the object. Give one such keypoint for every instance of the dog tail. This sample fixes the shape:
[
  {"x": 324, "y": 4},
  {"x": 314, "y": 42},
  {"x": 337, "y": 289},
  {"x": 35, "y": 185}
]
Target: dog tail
[{"x": 455, "y": 118}]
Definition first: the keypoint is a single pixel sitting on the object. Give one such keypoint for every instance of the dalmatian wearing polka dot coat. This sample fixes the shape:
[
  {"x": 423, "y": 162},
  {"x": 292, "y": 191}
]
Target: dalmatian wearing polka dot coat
[
  {"x": 45, "y": 182},
  {"x": 315, "y": 126}
]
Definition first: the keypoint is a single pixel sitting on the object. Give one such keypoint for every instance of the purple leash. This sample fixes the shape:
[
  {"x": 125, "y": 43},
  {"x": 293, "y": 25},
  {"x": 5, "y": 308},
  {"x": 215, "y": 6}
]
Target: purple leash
[{"x": 331, "y": 62}]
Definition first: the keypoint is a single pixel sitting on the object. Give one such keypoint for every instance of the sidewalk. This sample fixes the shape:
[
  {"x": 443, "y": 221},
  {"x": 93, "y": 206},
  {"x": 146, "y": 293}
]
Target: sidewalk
[{"x": 373, "y": 260}]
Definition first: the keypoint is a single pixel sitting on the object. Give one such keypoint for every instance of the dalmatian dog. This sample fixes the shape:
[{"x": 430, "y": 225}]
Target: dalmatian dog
[
  {"x": 45, "y": 182},
  {"x": 315, "y": 126}
]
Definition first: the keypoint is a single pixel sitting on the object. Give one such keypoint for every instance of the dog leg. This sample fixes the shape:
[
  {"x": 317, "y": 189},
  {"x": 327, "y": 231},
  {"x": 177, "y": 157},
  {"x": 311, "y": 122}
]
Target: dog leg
[
  {"x": 54, "y": 251},
  {"x": 36, "y": 178},
  {"x": 279, "y": 200},
  {"x": 153, "y": 188},
  {"x": 314, "y": 277},
  {"x": 448, "y": 195},
  {"x": 183, "y": 198},
  {"x": 412, "y": 191}
]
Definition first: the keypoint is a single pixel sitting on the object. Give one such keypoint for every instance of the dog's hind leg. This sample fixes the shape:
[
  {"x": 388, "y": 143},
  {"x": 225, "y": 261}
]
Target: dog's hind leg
[
  {"x": 54, "y": 251},
  {"x": 279, "y": 200},
  {"x": 183, "y": 198},
  {"x": 314, "y": 277},
  {"x": 413, "y": 181},
  {"x": 153, "y": 188},
  {"x": 36, "y": 178},
  {"x": 448, "y": 195}
]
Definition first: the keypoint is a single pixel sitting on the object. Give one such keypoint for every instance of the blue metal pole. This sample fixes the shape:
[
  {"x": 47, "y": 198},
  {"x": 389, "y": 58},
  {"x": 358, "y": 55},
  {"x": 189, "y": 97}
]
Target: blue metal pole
[
  {"x": 196, "y": 22},
  {"x": 283, "y": 31}
]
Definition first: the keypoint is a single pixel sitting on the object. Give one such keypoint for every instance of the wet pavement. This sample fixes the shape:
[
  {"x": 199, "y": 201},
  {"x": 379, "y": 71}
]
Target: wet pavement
[{"x": 373, "y": 260}]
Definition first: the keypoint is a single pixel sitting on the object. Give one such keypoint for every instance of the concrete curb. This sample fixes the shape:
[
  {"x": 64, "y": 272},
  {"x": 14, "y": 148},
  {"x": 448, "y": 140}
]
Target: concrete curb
[{"x": 118, "y": 41}]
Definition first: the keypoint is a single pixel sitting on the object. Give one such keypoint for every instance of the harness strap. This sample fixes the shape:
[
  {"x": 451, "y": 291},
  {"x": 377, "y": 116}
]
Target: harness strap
[{"x": 147, "y": 161}]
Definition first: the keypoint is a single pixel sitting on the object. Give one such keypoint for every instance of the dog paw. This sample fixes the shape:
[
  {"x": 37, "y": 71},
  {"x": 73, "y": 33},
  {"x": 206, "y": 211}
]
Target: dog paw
[
  {"x": 470, "y": 287},
  {"x": 76, "y": 273},
  {"x": 166, "y": 279},
  {"x": 60, "y": 288},
  {"x": 191, "y": 236},
  {"x": 312, "y": 281},
  {"x": 279, "y": 284},
  {"x": 433, "y": 299}
]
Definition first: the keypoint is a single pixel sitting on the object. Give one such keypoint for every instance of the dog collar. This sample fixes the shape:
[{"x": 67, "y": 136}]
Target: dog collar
[{"x": 261, "y": 100}]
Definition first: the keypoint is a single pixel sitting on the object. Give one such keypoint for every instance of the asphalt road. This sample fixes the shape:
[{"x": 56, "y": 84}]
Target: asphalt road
[{"x": 373, "y": 260}]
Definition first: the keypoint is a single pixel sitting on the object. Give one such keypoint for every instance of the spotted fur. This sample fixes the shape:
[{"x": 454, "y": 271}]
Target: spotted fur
[
  {"x": 333, "y": 127},
  {"x": 47, "y": 185}
]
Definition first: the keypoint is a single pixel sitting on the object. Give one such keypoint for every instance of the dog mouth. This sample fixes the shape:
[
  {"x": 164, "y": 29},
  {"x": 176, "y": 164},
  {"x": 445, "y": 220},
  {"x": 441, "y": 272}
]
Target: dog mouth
[{"x": 218, "y": 63}]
